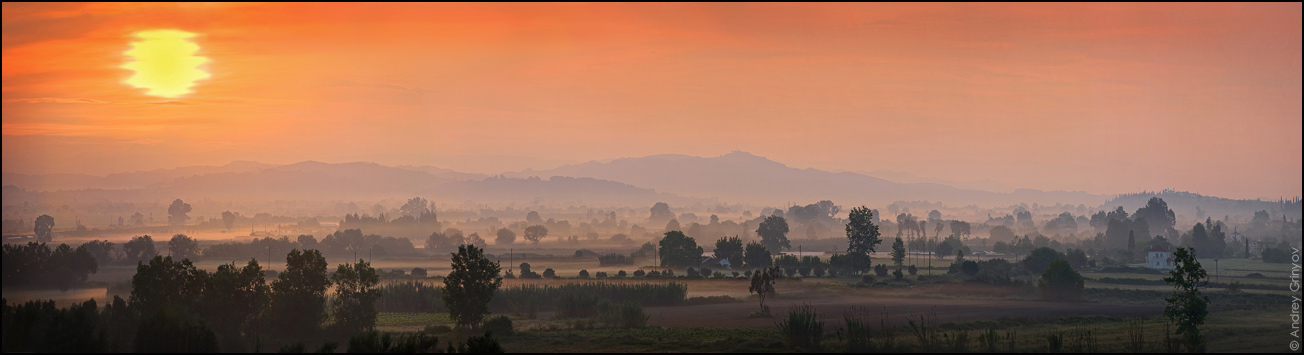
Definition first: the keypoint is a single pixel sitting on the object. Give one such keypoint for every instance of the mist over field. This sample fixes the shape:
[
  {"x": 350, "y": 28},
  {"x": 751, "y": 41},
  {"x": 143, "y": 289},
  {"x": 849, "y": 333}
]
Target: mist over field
[{"x": 651, "y": 177}]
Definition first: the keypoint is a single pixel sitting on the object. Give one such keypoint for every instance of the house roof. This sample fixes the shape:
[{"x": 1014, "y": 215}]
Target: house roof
[{"x": 1159, "y": 248}]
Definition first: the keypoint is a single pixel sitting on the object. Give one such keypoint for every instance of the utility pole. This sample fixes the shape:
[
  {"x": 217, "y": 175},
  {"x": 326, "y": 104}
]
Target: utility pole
[{"x": 1215, "y": 270}]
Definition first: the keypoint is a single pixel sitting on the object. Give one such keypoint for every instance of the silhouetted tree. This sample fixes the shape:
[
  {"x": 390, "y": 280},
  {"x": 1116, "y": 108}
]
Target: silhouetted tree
[
  {"x": 757, "y": 256},
  {"x": 862, "y": 238},
  {"x": 307, "y": 241},
  {"x": 679, "y": 250},
  {"x": 660, "y": 214},
  {"x": 898, "y": 253},
  {"x": 101, "y": 250},
  {"x": 505, "y": 237},
  {"x": 1001, "y": 233},
  {"x": 673, "y": 225},
  {"x": 960, "y": 228},
  {"x": 535, "y": 233},
  {"x": 533, "y": 218},
  {"x": 299, "y": 295},
  {"x": 730, "y": 248},
  {"x": 437, "y": 241},
  {"x": 1187, "y": 307},
  {"x": 43, "y": 228},
  {"x": 231, "y": 299},
  {"x": 470, "y": 286},
  {"x": 474, "y": 239},
  {"x": 183, "y": 247},
  {"x": 355, "y": 296},
  {"x": 139, "y": 249},
  {"x": 763, "y": 285},
  {"x": 1060, "y": 282},
  {"x": 177, "y": 212},
  {"x": 1039, "y": 259},
  {"x": 1157, "y": 214},
  {"x": 773, "y": 231},
  {"x": 228, "y": 219}
]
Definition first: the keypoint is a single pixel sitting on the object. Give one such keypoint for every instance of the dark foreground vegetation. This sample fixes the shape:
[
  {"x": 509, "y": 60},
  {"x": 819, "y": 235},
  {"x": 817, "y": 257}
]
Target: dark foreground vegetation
[{"x": 175, "y": 307}]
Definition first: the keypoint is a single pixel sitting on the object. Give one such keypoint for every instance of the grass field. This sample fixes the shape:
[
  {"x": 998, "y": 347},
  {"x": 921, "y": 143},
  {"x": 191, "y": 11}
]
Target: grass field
[{"x": 1232, "y": 331}]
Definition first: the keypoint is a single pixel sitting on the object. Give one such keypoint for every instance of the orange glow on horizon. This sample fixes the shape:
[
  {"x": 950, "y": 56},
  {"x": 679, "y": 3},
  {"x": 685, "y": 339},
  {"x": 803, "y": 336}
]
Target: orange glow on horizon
[{"x": 1097, "y": 97}]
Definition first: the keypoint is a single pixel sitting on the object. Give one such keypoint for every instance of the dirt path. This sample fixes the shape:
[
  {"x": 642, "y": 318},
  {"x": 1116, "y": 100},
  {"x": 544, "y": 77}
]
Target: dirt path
[{"x": 831, "y": 309}]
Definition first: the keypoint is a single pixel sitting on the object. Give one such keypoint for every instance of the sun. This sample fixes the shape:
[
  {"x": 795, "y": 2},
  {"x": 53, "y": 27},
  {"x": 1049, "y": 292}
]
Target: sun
[{"x": 165, "y": 62}]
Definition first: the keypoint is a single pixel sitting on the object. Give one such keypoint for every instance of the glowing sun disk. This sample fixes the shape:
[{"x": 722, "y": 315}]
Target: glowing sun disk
[{"x": 165, "y": 62}]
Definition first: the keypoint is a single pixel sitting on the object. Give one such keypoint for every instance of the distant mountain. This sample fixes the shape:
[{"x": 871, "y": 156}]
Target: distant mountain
[
  {"x": 137, "y": 179},
  {"x": 908, "y": 178},
  {"x": 438, "y": 171},
  {"x": 554, "y": 190},
  {"x": 318, "y": 181},
  {"x": 733, "y": 177},
  {"x": 744, "y": 177}
]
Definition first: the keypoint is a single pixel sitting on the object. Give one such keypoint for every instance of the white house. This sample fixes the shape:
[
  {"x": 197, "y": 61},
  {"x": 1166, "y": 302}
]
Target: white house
[{"x": 1159, "y": 258}]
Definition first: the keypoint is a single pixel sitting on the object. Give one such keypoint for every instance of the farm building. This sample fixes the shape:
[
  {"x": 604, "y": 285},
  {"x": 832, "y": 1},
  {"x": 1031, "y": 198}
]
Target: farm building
[{"x": 1159, "y": 258}]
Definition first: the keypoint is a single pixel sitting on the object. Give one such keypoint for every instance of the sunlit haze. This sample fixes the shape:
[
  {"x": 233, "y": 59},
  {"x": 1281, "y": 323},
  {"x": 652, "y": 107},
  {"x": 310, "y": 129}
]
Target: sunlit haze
[
  {"x": 1103, "y": 98},
  {"x": 165, "y": 63}
]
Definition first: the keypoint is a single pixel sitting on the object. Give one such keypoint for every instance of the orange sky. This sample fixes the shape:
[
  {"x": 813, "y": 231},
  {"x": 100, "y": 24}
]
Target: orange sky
[{"x": 1105, "y": 98}]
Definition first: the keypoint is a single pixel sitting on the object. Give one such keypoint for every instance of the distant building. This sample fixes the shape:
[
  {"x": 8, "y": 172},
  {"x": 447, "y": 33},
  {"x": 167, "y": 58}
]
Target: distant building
[{"x": 1159, "y": 258}]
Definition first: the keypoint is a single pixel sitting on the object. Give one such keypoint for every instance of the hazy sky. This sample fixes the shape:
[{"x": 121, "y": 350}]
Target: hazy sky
[{"x": 1104, "y": 98}]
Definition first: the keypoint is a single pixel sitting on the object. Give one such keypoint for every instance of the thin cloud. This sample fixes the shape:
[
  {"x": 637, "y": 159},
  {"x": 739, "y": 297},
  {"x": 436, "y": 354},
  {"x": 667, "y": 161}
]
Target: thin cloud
[{"x": 57, "y": 100}]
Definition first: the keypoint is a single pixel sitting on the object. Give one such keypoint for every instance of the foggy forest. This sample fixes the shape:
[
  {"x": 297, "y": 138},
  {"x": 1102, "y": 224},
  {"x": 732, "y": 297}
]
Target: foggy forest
[{"x": 654, "y": 177}]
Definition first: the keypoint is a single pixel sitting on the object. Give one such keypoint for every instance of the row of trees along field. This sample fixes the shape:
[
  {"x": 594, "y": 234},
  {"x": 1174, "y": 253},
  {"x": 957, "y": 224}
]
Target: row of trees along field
[{"x": 175, "y": 306}]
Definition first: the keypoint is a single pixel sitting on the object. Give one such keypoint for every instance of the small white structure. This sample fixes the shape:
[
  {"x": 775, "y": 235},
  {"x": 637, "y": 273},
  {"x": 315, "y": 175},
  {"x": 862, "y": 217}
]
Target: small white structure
[
  {"x": 711, "y": 261},
  {"x": 1159, "y": 258}
]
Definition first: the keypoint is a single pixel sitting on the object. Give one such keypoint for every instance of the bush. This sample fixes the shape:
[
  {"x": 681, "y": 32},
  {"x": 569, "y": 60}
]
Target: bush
[
  {"x": 802, "y": 329},
  {"x": 1060, "y": 282},
  {"x": 499, "y": 325},
  {"x": 615, "y": 259},
  {"x": 969, "y": 267},
  {"x": 549, "y": 273},
  {"x": 477, "y": 345},
  {"x": 912, "y": 270},
  {"x": 867, "y": 279},
  {"x": 691, "y": 271},
  {"x": 1234, "y": 287},
  {"x": 376, "y": 342},
  {"x": 880, "y": 270},
  {"x": 576, "y": 305},
  {"x": 898, "y": 275},
  {"x": 638, "y": 273},
  {"x": 601, "y": 274},
  {"x": 856, "y": 335},
  {"x": 1039, "y": 259},
  {"x": 624, "y": 315},
  {"x": 1276, "y": 256},
  {"x": 584, "y": 274},
  {"x": 620, "y": 274},
  {"x": 419, "y": 272},
  {"x": 410, "y": 297}
]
